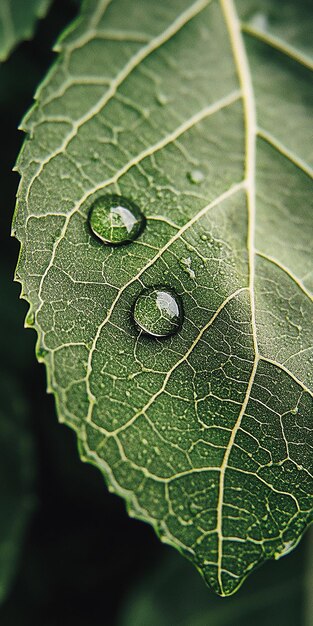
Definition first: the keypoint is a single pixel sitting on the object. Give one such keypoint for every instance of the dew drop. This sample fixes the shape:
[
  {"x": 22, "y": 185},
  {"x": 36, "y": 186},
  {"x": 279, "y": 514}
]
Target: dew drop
[
  {"x": 116, "y": 220},
  {"x": 260, "y": 21},
  {"x": 186, "y": 263},
  {"x": 195, "y": 176},
  {"x": 158, "y": 311},
  {"x": 162, "y": 99}
]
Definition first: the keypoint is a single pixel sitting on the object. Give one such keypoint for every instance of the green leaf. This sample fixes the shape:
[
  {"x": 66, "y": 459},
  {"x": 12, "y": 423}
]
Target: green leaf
[
  {"x": 17, "y": 22},
  {"x": 16, "y": 478},
  {"x": 204, "y": 125},
  {"x": 278, "y": 594}
]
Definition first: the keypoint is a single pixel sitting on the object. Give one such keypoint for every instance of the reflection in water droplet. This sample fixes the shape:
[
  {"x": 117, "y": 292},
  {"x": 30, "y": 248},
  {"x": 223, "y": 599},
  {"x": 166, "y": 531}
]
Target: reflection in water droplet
[
  {"x": 116, "y": 220},
  {"x": 195, "y": 176},
  {"x": 158, "y": 311}
]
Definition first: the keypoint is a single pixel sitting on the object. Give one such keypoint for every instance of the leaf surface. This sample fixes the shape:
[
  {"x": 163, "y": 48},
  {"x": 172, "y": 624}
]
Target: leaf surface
[
  {"x": 199, "y": 113},
  {"x": 17, "y": 22}
]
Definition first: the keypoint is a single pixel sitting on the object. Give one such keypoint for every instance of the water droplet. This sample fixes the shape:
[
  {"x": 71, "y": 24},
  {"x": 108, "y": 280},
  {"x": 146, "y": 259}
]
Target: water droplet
[
  {"x": 259, "y": 20},
  {"x": 116, "y": 220},
  {"x": 204, "y": 237},
  {"x": 195, "y": 176},
  {"x": 162, "y": 99},
  {"x": 187, "y": 267},
  {"x": 158, "y": 311}
]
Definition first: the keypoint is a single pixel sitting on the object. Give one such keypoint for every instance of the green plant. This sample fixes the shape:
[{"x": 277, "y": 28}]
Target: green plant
[{"x": 183, "y": 357}]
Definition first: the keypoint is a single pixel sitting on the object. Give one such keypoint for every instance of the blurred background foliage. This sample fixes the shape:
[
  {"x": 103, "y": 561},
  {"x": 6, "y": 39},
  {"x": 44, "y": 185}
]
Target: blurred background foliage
[{"x": 69, "y": 554}]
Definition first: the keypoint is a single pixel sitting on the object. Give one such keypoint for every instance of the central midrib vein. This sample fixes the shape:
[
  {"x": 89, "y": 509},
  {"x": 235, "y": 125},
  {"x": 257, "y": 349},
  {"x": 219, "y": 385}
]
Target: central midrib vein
[{"x": 243, "y": 71}]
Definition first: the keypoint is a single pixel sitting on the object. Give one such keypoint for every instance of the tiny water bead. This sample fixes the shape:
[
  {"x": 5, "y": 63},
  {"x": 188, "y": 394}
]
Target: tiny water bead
[
  {"x": 195, "y": 176},
  {"x": 116, "y": 220},
  {"x": 158, "y": 311}
]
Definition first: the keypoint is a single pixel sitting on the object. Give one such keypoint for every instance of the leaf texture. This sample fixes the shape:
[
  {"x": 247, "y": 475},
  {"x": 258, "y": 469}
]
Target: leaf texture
[
  {"x": 17, "y": 22},
  {"x": 207, "y": 434}
]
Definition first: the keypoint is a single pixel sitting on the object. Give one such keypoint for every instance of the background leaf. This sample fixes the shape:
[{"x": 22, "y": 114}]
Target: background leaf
[
  {"x": 205, "y": 434},
  {"x": 17, "y": 475},
  {"x": 17, "y": 22},
  {"x": 17, "y": 462}
]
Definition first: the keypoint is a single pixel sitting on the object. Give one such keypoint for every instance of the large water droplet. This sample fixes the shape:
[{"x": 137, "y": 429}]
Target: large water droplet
[
  {"x": 116, "y": 220},
  {"x": 158, "y": 311}
]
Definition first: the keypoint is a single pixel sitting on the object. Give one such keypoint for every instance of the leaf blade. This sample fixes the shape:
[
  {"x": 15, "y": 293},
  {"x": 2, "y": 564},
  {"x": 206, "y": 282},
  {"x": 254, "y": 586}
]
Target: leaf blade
[
  {"x": 16, "y": 24},
  {"x": 169, "y": 431}
]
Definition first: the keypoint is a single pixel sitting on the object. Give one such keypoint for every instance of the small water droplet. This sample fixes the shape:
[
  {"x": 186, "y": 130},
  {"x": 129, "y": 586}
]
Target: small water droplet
[
  {"x": 204, "y": 237},
  {"x": 259, "y": 20},
  {"x": 162, "y": 99},
  {"x": 158, "y": 311},
  {"x": 195, "y": 176},
  {"x": 116, "y": 220},
  {"x": 187, "y": 267}
]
